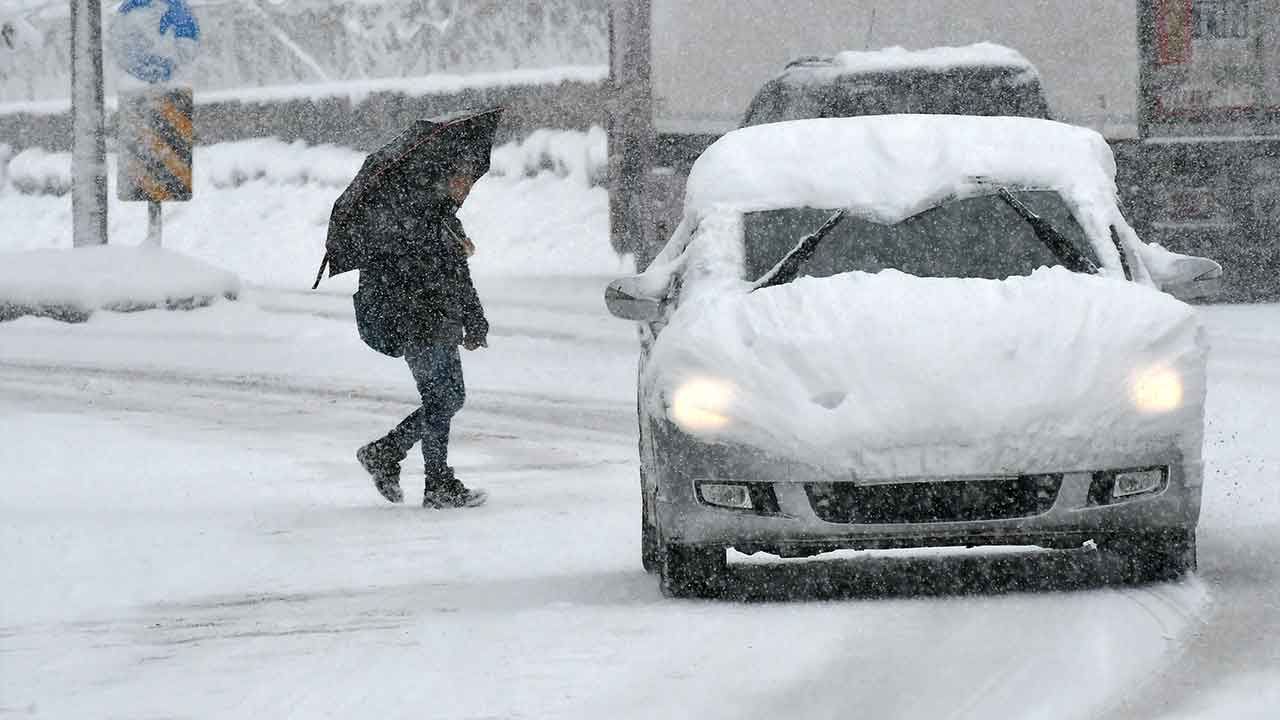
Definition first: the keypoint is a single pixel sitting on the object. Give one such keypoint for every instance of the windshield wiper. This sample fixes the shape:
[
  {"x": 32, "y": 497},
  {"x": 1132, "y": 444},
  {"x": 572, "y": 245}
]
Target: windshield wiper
[
  {"x": 789, "y": 266},
  {"x": 1062, "y": 248}
]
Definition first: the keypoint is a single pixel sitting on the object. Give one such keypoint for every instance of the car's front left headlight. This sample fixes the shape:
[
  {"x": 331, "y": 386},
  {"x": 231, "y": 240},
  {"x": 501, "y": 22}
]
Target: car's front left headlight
[
  {"x": 1156, "y": 389},
  {"x": 702, "y": 404}
]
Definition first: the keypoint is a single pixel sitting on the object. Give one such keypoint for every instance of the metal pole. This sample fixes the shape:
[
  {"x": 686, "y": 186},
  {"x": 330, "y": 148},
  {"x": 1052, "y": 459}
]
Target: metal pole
[
  {"x": 88, "y": 149},
  {"x": 155, "y": 224}
]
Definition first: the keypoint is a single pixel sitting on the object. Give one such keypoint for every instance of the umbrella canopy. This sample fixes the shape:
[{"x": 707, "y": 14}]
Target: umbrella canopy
[{"x": 401, "y": 178}]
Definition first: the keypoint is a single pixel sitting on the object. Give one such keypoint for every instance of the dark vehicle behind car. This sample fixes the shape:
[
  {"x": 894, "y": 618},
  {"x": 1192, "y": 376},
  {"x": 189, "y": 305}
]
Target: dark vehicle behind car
[{"x": 817, "y": 88}]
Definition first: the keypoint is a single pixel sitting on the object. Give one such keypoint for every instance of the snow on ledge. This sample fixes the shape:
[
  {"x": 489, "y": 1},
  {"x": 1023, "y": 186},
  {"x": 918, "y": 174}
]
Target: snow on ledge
[{"x": 70, "y": 285}]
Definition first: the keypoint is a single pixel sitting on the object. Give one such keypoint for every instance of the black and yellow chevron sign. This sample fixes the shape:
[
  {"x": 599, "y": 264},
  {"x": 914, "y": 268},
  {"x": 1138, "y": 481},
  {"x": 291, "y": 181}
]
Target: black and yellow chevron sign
[{"x": 155, "y": 133}]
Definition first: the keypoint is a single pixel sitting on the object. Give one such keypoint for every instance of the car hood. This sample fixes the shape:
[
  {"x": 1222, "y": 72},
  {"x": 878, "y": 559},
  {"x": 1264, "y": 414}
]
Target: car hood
[{"x": 889, "y": 375}]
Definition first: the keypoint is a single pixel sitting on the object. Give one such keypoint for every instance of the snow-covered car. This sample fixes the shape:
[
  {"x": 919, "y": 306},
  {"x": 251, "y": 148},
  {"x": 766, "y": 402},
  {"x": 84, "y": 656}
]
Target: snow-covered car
[{"x": 913, "y": 330}]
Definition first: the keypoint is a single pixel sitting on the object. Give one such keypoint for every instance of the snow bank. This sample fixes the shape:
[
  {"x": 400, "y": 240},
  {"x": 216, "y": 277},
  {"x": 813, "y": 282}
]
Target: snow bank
[
  {"x": 6, "y": 154},
  {"x": 574, "y": 154},
  {"x": 890, "y": 375},
  {"x": 261, "y": 208},
  {"x": 231, "y": 164},
  {"x": 72, "y": 284},
  {"x": 540, "y": 226},
  {"x": 36, "y": 172},
  {"x": 893, "y": 59},
  {"x": 273, "y": 161},
  {"x": 567, "y": 153}
]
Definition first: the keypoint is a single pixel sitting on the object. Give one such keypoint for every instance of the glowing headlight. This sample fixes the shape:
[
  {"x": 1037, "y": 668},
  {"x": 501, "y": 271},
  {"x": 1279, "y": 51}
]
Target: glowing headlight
[
  {"x": 700, "y": 404},
  {"x": 1156, "y": 389}
]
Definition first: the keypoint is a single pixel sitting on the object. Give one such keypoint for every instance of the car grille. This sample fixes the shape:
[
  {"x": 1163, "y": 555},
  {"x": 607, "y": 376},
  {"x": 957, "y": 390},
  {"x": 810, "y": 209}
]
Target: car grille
[{"x": 938, "y": 501}]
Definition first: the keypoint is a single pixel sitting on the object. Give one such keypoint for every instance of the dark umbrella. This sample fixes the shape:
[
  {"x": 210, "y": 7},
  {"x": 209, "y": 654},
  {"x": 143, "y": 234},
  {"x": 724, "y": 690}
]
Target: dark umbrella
[{"x": 415, "y": 162}]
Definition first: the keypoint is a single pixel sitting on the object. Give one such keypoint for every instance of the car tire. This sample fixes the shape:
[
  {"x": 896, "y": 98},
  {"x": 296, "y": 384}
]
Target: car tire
[
  {"x": 1155, "y": 556},
  {"x": 691, "y": 571},
  {"x": 649, "y": 547}
]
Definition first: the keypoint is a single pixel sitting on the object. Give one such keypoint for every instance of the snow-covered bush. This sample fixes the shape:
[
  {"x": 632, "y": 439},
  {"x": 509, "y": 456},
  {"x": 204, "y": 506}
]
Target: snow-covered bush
[
  {"x": 6, "y": 154},
  {"x": 233, "y": 164},
  {"x": 36, "y": 172},
  {"x": 571, "y": 154},
  {"x": 566, "y": 153},
  {"x": 225, "y": 165}
]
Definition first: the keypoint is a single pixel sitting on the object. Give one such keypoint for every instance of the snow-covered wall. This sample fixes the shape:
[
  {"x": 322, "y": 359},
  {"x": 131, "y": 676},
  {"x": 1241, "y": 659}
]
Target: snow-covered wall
[
  {"x": 357, "y": 114},
  {"x": 287, "y": 42}
]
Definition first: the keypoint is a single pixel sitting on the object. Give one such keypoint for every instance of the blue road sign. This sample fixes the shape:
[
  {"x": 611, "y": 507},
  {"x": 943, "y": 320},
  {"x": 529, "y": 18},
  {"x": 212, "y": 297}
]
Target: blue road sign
[{"x": 154, "y": 38}]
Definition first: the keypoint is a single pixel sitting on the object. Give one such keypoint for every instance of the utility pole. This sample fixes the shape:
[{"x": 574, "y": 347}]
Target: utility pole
[{"x": 88, "y": 149}]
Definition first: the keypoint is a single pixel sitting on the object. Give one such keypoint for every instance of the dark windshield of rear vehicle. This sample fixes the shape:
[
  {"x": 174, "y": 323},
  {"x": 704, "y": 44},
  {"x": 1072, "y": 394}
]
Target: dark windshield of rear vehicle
[
  {"x": 964, "y": 91},
  {"x": 980, "y": 237}
]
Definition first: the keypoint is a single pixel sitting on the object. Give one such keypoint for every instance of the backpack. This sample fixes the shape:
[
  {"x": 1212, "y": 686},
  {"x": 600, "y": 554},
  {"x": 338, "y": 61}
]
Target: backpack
[{"x": 379, "y": 314}]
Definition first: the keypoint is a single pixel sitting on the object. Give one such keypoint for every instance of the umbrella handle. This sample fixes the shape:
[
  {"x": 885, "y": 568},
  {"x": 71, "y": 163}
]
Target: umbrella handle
[{"x": 324, "y": 263}]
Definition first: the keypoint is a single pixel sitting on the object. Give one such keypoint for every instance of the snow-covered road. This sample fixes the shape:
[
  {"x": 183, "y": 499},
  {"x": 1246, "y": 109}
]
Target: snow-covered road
[{"x": 184, "y": 533}]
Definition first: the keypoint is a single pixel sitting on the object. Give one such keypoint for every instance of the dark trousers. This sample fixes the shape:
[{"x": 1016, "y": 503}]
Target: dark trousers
[{"x": 437, "y": 370}]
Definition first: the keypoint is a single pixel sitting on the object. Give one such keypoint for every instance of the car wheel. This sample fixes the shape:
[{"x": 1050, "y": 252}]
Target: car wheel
[
  {"x": 692, "y": 571},
  {"x": 648, "y": 533},
  {"x": 1155, "y": 556}
]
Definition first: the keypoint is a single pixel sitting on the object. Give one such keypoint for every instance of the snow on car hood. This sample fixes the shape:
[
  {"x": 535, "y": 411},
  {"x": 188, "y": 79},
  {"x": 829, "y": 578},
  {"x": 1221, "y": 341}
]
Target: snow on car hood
[{"x": 891, "y": 375}]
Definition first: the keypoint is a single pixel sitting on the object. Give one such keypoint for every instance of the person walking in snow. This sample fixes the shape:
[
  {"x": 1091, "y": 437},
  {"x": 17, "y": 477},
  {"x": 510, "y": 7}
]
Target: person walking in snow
[
  {"x": 428, "y": 290},
  {"x": 416, "y": 300}
]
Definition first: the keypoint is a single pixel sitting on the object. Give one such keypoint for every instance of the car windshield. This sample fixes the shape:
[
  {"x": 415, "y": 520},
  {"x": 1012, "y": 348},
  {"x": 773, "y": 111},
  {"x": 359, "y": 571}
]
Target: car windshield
[
  {"x": 979, "y": 237},
  {"x": 963, "y": 91}
]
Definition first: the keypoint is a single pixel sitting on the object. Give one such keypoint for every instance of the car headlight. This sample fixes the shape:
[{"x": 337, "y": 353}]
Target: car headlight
[
  {"x": 700, "y": 405},
  {"x": 1156, "y": 389}
]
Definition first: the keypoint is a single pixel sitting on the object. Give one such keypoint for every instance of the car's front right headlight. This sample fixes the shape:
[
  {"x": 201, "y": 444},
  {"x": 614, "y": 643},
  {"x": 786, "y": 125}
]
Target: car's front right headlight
[
  {"x": 702, "y": 404},
  {"x": 1156, "y": 389}
]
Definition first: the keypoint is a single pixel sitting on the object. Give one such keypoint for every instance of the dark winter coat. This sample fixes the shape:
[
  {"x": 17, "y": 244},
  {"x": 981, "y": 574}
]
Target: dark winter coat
[{"x": 416, "y": 288}]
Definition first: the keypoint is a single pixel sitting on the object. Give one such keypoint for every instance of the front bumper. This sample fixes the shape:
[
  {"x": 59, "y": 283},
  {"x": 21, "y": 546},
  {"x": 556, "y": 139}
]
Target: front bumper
[{"x": 1066, "y": 519}]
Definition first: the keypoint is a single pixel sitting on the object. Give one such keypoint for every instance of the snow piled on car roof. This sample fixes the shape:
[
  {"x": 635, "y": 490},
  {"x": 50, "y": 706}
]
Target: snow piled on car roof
[
  {"x": 886, "y": 168},
  {"x": 893, "y": 59},
  {"x": 889, "y": 167}
]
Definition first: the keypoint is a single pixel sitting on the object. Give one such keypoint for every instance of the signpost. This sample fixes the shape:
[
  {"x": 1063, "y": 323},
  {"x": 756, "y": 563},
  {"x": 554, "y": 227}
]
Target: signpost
[
  {"x": 153, "y": 40},
  {"x": 156, "y": 138},
  {"x": 88, "y": 149}
]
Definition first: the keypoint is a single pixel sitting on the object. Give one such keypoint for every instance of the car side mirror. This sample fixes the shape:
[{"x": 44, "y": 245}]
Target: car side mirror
[
  {"x": 1186, "y": 277},
  {"x": 627, "y": 300},
  {"x": 1204, "y": 287}
]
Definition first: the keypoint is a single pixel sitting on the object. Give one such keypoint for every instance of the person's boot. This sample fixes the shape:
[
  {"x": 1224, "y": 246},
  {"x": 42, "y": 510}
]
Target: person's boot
[
  {"x": 445, "y": 490},
  {"x": 383, "y": 466}
]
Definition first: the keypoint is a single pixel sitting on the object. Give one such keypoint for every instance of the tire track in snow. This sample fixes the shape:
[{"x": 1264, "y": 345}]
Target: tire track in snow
[
  {"x": 1001, "y": 624},
  {"x": 1237, "y": 639},
  {"x": 1225, "y": 668},
  {"x": 528, "y": 408}
]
